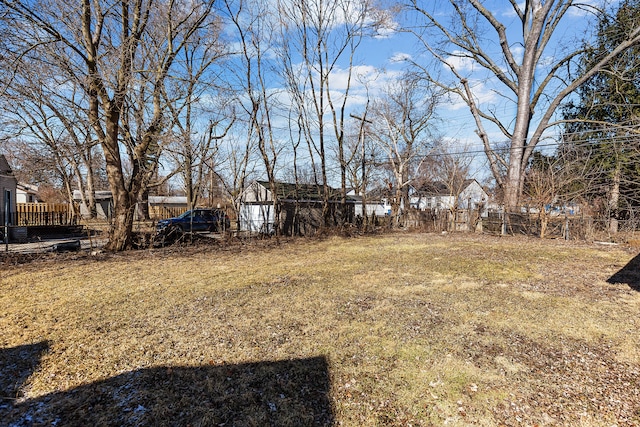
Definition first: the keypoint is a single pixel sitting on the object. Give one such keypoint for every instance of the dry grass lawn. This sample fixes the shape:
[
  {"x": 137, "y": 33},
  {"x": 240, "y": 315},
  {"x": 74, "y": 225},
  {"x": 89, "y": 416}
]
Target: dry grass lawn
[{"x": 401, "y": 329}]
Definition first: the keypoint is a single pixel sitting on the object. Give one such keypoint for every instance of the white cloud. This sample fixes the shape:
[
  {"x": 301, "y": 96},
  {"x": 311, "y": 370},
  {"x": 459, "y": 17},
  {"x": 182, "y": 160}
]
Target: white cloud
[
  {"x": 384, "y": 24},
  {"x": 384, "y": 32},
  {"x": 517, "y": 52},
  {"x": 339, "y": 78},
  {"x": 460, "y": 62},
  {"x": 400, "y": 57},
  {"x": 482, "y": 94}
]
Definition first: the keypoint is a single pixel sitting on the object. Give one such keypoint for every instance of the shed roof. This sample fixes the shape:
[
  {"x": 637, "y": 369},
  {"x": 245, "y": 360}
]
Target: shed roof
[
  {"x": 307, "y": 192},
  {"x": 168, "y": 200},
  {"x": 28, "y": 188},
  {"x": 439, "y": 188},
  {"x": 99, "y": 195}
]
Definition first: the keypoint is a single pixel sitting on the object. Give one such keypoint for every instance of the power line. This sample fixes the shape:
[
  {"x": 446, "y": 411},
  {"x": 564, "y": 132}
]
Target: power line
[{"x": 579, "y": 144}]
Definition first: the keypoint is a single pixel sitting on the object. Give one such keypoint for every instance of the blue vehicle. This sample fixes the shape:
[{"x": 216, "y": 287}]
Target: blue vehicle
[{"x": 201, "y": 219}]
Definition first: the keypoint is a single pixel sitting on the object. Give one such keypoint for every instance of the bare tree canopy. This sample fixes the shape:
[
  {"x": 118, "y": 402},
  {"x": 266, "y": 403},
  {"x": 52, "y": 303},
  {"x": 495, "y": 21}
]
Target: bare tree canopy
[
  {"x": 403, "y": 129},
  {"x": 119, "y": 54},
  {"x": 528, "y": 68}
]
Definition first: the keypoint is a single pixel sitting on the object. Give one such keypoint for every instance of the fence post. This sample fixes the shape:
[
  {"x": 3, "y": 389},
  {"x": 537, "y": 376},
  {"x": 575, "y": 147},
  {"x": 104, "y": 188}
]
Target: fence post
[
  {"x": 503, "y": 226},
  {"x": 7, "y": 212}
]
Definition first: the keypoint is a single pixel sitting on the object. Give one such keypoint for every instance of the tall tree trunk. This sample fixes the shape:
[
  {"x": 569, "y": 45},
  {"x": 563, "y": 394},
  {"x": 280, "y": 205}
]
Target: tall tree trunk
[
  {"x": 614, "y": 199},
  {"x": 143, "y": 205},
  {"x": 123, "y": 202}
]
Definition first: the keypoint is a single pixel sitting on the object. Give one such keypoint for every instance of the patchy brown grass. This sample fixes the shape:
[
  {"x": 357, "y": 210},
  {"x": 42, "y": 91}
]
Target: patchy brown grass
[{"x": 414, "y": 329}]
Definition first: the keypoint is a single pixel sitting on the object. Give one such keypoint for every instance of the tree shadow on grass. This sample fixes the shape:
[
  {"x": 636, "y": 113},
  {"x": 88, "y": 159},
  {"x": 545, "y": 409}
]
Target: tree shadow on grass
[
  {"x": 280, "y": 393},
  {"x": 629, "y": 274}
]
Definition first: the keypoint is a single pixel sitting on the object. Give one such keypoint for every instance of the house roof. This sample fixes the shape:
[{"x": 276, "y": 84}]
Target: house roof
[
  {"x": 28, "y": 188},
  {"x": 168, "y": 200},
  {"x": 5, "y": 169},
  {"x": 307, "y": 192},
  {"x": 99, "y": 195},
  {"x": 439, "y": 188}
]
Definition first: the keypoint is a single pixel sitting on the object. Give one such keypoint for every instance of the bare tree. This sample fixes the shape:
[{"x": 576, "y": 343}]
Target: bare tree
[
  {"x": 517, "y": 68},
  {"x": 55, "y": 126},
  {"x": 36, "y": 108},
  {"x": 555, "y": 181},
  {"x": 401, "y": 128},
  {"x": 452, "y": 166},
  {"x": 323, "y": 34},
  {"x": 193, "y": 97},
  {"x": 253, "y": 22},
  {"x": 120, "y": 54}
]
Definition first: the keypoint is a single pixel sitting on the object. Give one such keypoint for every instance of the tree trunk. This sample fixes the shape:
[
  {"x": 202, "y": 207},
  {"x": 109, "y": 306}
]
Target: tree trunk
[
  {"x": 122, "y": 225},
  {"x": 396, "y": 208},
  {"x": 614, "y": 199},
  {"x": 544, "y": 221},
  {"x": 123, "y": 202},
  {"x": 143, "y": 206}
]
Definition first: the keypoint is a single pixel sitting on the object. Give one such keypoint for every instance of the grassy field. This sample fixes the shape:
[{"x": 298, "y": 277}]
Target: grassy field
[{"x": 405, "y": 330}]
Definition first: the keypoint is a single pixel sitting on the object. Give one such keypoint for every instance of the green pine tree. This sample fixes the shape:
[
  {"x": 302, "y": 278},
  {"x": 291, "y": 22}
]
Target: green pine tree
[{"x": 603, "y": 132}]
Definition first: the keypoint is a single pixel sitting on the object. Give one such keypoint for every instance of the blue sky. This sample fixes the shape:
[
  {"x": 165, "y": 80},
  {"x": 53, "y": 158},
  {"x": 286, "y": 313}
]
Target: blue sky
[{"x": 380, "y": 59}]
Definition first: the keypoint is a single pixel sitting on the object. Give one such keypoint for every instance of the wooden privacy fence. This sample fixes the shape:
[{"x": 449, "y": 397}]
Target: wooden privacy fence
[
  {"x": 44, "y": 214},
  {"x": 36, "y": 214},
  {"x": 162, "y": 212}
]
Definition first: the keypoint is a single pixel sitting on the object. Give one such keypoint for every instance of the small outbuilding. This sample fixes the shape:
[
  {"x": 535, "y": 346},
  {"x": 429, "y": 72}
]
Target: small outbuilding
[
  {"x": 167, "y": 206},
  {"x": 104, "y": 204},
  {"x": 300, "y": 207},
  {"x": 159, "y": 206}
]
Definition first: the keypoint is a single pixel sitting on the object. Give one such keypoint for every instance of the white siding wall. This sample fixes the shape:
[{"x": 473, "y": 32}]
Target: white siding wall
[
  {"x": 377, "y": 209},
  {"x": 256, "y": 218},
  {"x": 475, "y": 192}
]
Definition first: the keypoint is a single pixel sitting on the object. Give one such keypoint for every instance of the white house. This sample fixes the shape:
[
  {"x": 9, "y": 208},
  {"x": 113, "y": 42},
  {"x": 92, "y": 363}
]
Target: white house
[{"x": 437, "y": 195}]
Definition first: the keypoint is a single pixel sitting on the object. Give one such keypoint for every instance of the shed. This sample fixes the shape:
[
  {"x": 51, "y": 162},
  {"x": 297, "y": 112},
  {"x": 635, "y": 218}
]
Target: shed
[
  {"x": 104, "y": 204},
  {"x": 300, "y": 208},
  {"x": 167, "y": 206},
  {"x": 8, "y": 187}
]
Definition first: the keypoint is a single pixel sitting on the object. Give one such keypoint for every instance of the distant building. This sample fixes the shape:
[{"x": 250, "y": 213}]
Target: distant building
[
  {"x": 27, "y": 193},
  {"x": 437, "y": 195},
  {"x": 104, "y": 204},
  {"x": 300, "y": 208},
  {"x": 376, "y": 203},
  {"x": 167, "y": 206},
  {"x": 159, "y": 206}
]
